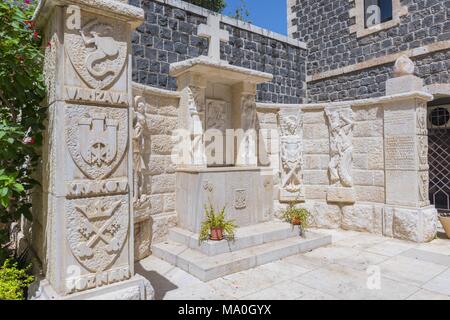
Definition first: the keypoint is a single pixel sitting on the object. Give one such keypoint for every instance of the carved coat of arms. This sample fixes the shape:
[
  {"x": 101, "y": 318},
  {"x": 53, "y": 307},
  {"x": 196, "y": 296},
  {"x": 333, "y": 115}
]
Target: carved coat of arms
[
  {"x": 97, "y": 230},
  {"x": 96, "y": 140},
  {"x": 97, "y": 52}
]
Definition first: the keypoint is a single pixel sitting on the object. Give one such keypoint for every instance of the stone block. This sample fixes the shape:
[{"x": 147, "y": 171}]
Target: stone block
[
  {"x": 370, "y": 194},
  {"x": 161, "y": 125},
  {"x": 407, "y": 83},
  {"x": 321, "y": 146},
  {"x": 315, "y": 177},
  {"x": 160, "y": 225},
  {"x": 311, "y": 117},
  {"x": 373, "y": 128},
  {"x": 341, "y": 195},
  {"x": 315, "y": 131},
  {"x": 161, "y": 145},
  {"x": 362, "y": 217},
  {"x": 164, "y": 183},
  {"x": 366, "y": 113},
  {"x": 324, "y": 215}
]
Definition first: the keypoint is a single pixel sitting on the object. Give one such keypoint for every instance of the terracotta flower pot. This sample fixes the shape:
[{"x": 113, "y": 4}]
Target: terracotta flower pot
[
  {"x": 445, "y": 221},
  {"x": 216, "y": 234},
  {"x": 296, "y": 221}
]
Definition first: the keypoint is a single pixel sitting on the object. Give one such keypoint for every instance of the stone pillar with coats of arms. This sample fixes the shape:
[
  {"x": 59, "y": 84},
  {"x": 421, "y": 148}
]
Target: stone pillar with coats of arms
[{"x": 83, "y": 233}]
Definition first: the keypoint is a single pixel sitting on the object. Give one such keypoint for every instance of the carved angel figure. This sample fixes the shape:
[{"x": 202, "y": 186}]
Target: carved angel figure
[
  {"x": 102, "y": 45},
  {"x": 341, "y": 126}
]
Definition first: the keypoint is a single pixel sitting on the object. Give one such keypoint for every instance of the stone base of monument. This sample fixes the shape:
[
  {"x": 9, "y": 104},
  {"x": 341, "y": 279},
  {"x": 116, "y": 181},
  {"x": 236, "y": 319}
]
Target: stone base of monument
[
  {"x": 253, "y": 246},
  {"x": 136, "y": 288}
]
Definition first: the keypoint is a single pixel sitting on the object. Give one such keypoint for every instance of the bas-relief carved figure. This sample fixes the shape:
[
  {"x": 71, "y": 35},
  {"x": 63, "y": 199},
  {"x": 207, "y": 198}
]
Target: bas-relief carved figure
[
  {"x": 98, "y": 51},
  {"x": 341, "y": 148},
  {"x": 216, "y": 114},
  {"x": 240, "y": 199},
  {"x": 140, "y": 199},
  {"x": 291, "y": 151},
  {"x": 248, "y": 112},
  {"x": 196, "y": 108}
]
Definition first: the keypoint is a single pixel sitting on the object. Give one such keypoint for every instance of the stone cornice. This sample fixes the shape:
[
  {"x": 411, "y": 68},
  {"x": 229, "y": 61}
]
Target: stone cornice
[
  {"x": 422, "y": 95},
  {"x": 417, "y": 52},
  {"x": 203, "y": 64},
  {"x": 140, "y": 89},
  {"x": 113, "y": 8}
]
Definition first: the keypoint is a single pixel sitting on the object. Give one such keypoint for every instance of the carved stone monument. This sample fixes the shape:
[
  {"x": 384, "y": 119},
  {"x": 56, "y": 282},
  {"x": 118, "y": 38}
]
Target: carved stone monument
[
  {"x": 340, "y": 120},
  {"x": 87, "y": 241},
  {"x": 291, "y": 154},
  {"x": 408, "y": 213}
]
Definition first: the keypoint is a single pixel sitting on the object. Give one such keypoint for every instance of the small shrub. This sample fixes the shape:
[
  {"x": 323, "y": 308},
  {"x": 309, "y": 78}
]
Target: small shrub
[
  {"x": 14, "y": 281},
  {"x": 292, "y": 213},
  {"x": 216, "y": 220}
]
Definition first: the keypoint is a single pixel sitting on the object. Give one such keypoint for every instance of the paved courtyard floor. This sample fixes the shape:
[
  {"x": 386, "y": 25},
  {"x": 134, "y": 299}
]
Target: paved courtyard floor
[{"x": 348, "y": 269}]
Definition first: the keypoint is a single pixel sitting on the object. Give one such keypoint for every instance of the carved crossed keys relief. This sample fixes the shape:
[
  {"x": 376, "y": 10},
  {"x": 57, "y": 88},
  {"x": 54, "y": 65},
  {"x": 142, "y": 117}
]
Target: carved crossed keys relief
[
  {"x": 291, "y": 150},
  {"x": 97, "y": 230},
  {"x": 97, "y": 51}
]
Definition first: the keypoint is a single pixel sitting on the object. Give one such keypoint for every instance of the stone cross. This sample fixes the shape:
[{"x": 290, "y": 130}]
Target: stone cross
[{"x": 212, "y": 31}]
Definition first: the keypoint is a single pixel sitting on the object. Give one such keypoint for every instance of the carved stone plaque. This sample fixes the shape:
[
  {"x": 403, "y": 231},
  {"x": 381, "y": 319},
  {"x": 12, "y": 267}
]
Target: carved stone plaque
[{"x": 400, "y": 153}]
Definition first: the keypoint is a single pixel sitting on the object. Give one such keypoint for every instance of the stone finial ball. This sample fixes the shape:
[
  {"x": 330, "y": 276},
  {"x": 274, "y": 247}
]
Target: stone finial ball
[{"x": 403, "y": 66}]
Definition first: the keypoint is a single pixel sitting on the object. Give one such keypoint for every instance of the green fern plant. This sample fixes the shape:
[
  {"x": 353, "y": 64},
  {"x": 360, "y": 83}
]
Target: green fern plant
[{"x": 215, "y": 219}]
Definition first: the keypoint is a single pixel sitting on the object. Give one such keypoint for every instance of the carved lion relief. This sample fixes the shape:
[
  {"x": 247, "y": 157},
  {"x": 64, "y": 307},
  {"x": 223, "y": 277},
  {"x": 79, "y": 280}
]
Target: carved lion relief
[
  {"x": 96, "y": 138},
  {"x": 97, "y": 51}
]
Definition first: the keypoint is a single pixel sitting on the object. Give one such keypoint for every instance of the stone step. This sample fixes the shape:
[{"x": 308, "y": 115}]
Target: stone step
[
  {"x": 208, "y": 268},
  {"x": 245, "y": 237}
]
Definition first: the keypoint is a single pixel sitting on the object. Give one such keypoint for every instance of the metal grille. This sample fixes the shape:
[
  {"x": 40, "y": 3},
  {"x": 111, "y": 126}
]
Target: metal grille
[{"x": 439, "y": 157}]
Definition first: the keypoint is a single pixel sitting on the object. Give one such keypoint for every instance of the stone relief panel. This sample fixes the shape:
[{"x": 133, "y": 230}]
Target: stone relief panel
[
  {"x": 341, "y": 122},
  {"x": 98, "y": 50},
  {"x": 240, "y": 199},
  {"x": 97, "y": 138},
  {"x": 341, "y": 148},
  {"x": 97, "y": 229},
  {"x": 217, "y": 114},
  {"x": 140, "y": 198},
  {"x": 196, "y": 113},
  {"x": 291, "y": 123}
]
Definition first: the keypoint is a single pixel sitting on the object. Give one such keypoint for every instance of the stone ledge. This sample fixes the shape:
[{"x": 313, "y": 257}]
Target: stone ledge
[
  {"x": 375, "y": 62},
  {"x": 234, "y": 22},
  {"x": 141, "y": 89},
  {"x": 122, "y": 11}
]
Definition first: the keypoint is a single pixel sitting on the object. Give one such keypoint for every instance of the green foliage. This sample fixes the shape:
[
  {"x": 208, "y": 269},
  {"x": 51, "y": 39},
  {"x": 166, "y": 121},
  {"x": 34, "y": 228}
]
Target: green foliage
[
  {"x": 14, "y": 281},
  {"x": 21, "y": 116},
  {"x": 242, "y": 13},
  {"x": 213, "y": 5},
  {"x": 293, "y": 213},
  {"x": 216, "y": 220}
]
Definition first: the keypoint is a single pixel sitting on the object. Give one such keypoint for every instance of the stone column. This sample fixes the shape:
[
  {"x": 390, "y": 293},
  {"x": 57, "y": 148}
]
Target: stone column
[
  {"x": 87, "y": 181},
  {"x": 408, "y": 214}
]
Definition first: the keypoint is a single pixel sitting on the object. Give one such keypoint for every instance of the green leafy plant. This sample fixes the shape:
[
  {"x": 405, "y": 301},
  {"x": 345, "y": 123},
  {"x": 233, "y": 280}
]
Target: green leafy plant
[
  {"x": 216, "y": 220},
  {"x": 242, "y": 13},
  {"x": 14, "y": 281},
  {"x": 213, "y": 5},
  {"x": 296, "y": 216},
  {"x": 22, "y": 90}
]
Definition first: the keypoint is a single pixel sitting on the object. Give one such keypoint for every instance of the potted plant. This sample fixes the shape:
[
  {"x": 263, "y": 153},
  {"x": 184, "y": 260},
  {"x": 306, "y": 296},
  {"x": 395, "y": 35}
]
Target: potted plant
[
  {"x": 445, "y": 221},
  {"x": 215, "y": 227},
  {"x": 296, "y": 216}
]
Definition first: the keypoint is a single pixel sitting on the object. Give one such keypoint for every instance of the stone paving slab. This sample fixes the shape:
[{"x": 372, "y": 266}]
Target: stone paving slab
[{"x": 338, "y": 271}]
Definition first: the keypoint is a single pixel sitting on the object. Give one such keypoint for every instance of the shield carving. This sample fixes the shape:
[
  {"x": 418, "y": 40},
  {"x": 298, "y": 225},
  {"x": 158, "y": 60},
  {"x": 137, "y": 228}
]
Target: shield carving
[
  {"x": 97, "y": 230},
  {"x": 96, "y": 138},
  {"x": 97, "y": 51}
]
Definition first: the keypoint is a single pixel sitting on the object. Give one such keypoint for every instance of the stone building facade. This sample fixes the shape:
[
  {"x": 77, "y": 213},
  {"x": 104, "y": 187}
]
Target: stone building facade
[
  {"x": 346, "y": 60},
  {"x": 169, "y": 34}
]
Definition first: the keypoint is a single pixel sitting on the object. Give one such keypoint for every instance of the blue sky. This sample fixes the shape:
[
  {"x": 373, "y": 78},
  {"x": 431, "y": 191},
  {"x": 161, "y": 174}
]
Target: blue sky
[{"x": 268, "y": 14}]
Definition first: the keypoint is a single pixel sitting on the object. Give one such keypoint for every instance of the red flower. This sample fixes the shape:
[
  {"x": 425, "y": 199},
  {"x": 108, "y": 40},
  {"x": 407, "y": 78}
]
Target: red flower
[
  {"x": 49, "y": 44},
  {"x": 27, "y": 1},
  {"x": 29, "y": 140},
  {"x": 35, "y": 35}
]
